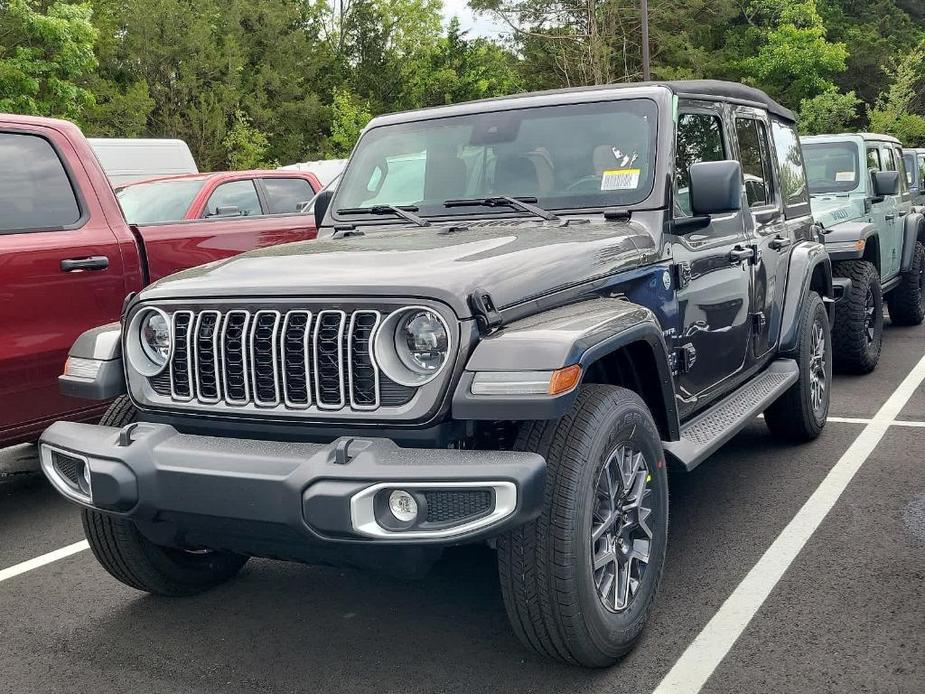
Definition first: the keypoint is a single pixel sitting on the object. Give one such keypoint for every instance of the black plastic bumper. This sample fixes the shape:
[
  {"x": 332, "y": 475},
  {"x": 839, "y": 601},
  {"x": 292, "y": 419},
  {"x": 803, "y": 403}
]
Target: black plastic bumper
[{"x": 180, "y": 485}]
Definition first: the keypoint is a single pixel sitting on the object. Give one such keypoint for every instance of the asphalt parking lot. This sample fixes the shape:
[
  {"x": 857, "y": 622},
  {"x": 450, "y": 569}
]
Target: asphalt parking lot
[{"x": 846, "y": 615}]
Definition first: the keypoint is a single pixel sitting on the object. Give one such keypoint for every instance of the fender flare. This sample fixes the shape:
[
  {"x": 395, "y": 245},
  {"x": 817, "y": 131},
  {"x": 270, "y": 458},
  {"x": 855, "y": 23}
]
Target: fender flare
[
  {"x": 805, "y": 258},
  {"x": 841, "y": 239},
  {"x": 581, "y": 333},
  {"x": 913, "y": 231}
]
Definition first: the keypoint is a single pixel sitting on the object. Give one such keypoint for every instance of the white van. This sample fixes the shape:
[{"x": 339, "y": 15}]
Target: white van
[{"x": 131, "y": 159}]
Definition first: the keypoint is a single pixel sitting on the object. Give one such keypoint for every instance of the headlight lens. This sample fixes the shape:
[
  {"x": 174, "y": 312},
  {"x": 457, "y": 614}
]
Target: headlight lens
[
  {"x": 149, "y": 341},
  {"x": 421, "y": 342},
  {"x": 155, "y": 337},
  {"x": 412, "y": 346}
]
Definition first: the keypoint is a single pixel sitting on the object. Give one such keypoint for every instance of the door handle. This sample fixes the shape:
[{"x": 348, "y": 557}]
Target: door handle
[
  {"x": 94, "y": 262},
  {"x": 903, "y": 213},
  {"x": 890, "y": 217},
  {"x": 740, "y": 253},
  {"x": 779, "y": 243}
]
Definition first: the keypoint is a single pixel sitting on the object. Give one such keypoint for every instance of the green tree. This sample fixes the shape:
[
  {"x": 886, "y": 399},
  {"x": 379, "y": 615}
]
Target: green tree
[
  {"x": 44, "y": 56},
  {"x": 829, "y": 112},
  {"x": 246, "y": 146},
  {"x": 351, "y": 115},
  {"x": 895, "y": 111}
]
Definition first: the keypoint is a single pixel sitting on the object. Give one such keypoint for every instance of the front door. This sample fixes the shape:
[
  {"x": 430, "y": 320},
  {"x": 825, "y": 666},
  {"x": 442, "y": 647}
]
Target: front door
[
  {"x": 713, "y": 272},
  {"x": 891, "y": 246},
  {"x": 60, "y": 274}
]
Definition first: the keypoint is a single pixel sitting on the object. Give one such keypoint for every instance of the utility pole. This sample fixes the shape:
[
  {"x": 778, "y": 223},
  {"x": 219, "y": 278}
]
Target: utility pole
[{"x": 646, "y": 71}]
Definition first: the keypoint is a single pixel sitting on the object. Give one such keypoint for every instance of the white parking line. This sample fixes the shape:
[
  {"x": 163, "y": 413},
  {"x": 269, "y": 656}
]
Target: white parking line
[
  {"x": 25, "y": 566},
  {"x": 706, "y": 652}
]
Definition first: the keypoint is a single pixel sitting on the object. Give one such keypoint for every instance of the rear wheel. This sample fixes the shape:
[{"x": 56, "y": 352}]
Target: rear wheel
[
  {"x": 907, "y": 301},
  {"x": 858, "y": 333},
  {"x": 134, "y": 560},
  {"x": 579, "y": 582},
  {"x": 800, "y": 413}
]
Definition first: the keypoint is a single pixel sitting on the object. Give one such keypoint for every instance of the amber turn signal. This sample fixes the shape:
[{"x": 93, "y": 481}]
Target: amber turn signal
[{"x": 563, "y": 380}]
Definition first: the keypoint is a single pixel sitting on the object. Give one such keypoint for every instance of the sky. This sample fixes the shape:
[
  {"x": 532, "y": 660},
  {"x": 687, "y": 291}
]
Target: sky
[{"x": 476, "y": 25}]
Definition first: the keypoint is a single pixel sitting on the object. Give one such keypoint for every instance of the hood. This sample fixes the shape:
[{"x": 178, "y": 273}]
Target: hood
[
  {"x": 512, "y": 260},
  {"x": 829, "y": 210}
]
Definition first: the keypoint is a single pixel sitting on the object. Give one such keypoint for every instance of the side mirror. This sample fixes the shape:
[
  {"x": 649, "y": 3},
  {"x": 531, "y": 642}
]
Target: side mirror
[
  {"x": 227, "y": 211},
  {"x": 885, "y": 183},
  {"x": 322, "y": 201},
  {"x": 716, "y": 187}
]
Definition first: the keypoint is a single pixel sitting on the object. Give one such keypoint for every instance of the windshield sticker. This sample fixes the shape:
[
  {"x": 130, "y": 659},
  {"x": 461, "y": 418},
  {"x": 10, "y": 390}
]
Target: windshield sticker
[
  {"x": 844, "y": 176},
  {"x": 620, "y": 179}
]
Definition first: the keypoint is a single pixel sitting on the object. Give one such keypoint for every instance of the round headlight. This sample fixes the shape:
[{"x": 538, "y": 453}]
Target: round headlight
[
  {"x": 149, "y": 341},
  {"x": 421, "y": 342},
  {"x": 412, "y": 346},
  {"x": 155, "y": 337}
]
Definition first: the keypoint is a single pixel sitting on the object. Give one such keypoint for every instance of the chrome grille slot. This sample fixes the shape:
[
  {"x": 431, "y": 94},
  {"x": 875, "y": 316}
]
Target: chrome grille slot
[
  {"x": 361, "y": 366},
  {"x": 264, "y": 354},
  {"x": 181, "y": 375},
  {"x": 295, "y": 354},
  {"x": 234, "y": 357},
  {"x": 329, "y": 359},
  {"x": 205, "y": 356}
]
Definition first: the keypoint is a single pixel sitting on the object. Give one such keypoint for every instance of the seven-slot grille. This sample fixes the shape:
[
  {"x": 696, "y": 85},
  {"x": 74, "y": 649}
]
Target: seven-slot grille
[{"x": 291, "y": 360}]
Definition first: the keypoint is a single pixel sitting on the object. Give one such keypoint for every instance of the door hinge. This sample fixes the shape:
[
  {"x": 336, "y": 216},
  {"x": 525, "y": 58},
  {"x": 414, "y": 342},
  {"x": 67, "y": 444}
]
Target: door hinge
[
  {"x": 759, "y": 321},
  {"x": 682, "y": 359},
  {"x": 682, "y": 275}
]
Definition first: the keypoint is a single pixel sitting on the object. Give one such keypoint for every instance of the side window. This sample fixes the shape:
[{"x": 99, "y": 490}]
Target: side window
[
  {"x": 287, "y": 194},
  {"x": 240, "y": 194},
  {"x": 873, "y": 159},
  {"x": 794, "y": 189},
  {"x": 909, "y": 165},
  {"x": 700, "y": 138},
  {"x": 756, "y": 161},
  {"x": 889, "y": 161},
  {"x": 901, "y": 167},
  {"x": 921, "y": 161},
  {"x": 35, "y": 192}
]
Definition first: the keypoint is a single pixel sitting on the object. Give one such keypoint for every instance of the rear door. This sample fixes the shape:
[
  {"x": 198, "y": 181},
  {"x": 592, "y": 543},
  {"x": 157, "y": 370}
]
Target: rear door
[{"x": 61, "y": 273}]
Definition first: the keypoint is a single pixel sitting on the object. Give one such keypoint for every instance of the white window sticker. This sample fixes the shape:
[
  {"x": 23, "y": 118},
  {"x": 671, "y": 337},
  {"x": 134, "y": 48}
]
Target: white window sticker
[
  {"x": 844, "y": 176},
  {"x": 620, "y": 179}
]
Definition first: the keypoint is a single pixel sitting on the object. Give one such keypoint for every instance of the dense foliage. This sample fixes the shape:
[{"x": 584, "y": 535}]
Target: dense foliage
[{"x": 256, "y": 83}]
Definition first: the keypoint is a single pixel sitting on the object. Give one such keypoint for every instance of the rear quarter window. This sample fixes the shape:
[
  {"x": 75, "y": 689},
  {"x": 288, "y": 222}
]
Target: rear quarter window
[{"x": 35, "y": 191}]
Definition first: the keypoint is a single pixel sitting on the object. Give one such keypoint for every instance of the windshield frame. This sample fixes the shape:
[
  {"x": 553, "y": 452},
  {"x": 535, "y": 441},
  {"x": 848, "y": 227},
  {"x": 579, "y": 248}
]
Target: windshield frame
[
  {"x": 654, "y": 197},
  {"x": 846, "y": 144}
]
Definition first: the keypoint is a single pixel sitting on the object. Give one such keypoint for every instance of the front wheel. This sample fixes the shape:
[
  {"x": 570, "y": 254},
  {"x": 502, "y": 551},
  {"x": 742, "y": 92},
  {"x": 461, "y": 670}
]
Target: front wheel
[
  {"x": 801, "y": 412},
  {"x": 579, "y": 581}
]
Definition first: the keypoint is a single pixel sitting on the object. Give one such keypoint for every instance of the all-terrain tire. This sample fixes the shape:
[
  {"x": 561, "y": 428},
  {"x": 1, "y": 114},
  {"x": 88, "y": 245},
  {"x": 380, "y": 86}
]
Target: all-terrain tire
[
  {"x": 545, "y": 566},
  {"x": 793, "y": 415},
  {"x": 855, "y": 350},
  {"x": 139, "y": 563},
  {"x": 907, "y": 301}
]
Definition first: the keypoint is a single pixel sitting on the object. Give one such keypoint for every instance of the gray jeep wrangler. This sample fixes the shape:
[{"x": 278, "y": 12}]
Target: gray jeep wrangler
[
  {"x": 517, "y": 311},
  {"x": 862, "y": 201}
]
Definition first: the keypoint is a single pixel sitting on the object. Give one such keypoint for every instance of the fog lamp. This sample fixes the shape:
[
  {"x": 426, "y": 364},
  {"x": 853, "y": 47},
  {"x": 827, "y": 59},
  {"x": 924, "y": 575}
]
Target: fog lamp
[{"x": 403, "y": 506}]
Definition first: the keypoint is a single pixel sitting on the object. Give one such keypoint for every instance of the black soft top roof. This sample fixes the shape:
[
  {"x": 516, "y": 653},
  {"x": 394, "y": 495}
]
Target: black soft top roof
[{"x": 716, "y": 90}]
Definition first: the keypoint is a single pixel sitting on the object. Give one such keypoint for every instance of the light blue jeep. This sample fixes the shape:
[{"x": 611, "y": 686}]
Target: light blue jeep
[
  {"x": 914, "y": 159},
  {"x": 860, "y": 197}
]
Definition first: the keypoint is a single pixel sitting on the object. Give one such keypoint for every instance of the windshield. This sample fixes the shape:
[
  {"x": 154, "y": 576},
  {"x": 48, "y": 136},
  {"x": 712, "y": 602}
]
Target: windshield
[
  {"x": 832, "y": 167},
  {"x": 575, "y": 156},
  {"x": 158, "y": 201}
]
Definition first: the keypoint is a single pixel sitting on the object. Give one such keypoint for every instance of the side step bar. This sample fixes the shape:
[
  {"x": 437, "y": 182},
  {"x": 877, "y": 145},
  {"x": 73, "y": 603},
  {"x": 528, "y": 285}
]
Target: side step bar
[{"x": 705, "y": 433}]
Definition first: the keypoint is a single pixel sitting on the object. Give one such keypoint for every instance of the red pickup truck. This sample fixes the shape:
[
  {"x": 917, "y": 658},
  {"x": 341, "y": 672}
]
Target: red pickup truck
[{"x": 68, "y": 258}]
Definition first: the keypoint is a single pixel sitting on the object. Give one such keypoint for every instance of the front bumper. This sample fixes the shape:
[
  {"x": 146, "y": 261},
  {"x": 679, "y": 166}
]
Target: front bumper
[{"x": 247, "y": 495}]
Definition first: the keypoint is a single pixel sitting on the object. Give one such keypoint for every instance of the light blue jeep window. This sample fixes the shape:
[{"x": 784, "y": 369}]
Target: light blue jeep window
[
  {"x": 832, "y": 167},
  {"x": 790, "y": 158}
]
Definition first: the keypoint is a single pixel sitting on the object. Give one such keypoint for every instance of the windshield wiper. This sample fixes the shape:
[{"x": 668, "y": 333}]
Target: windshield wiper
[
  {"x": 404, "y": 211},
  {"x": 522, "y": 204}
]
